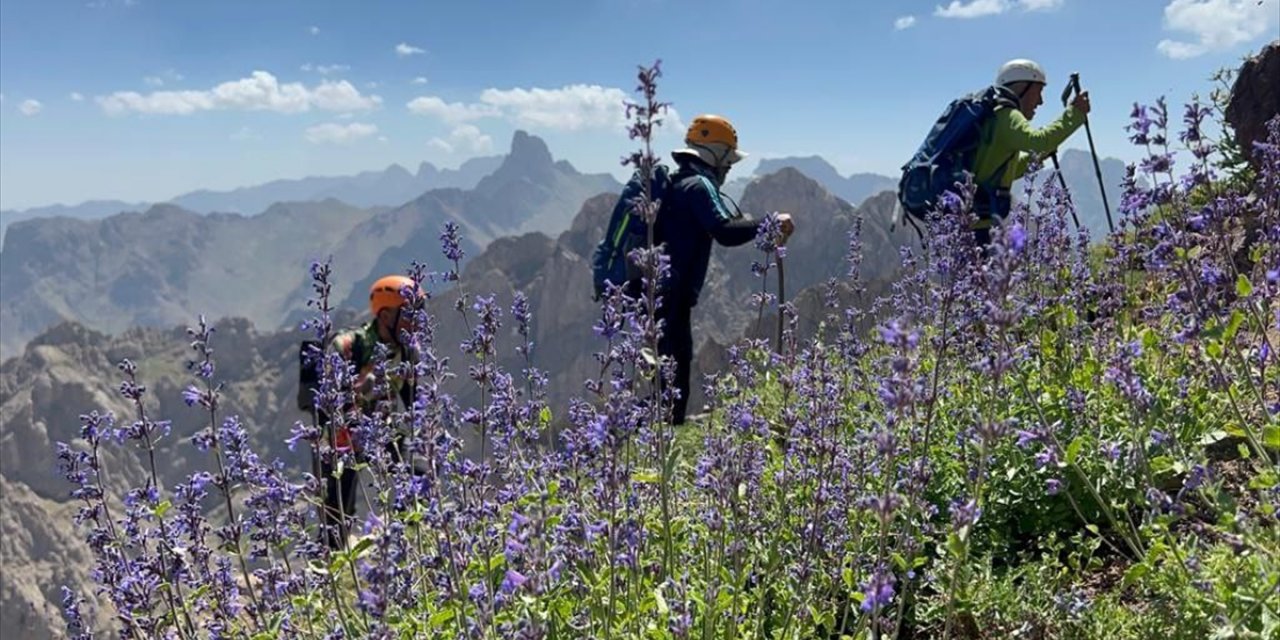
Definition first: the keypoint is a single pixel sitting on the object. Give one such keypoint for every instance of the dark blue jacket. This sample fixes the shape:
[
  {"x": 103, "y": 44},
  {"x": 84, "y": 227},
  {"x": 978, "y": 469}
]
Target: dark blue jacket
[{"x": 694, "y": 213}]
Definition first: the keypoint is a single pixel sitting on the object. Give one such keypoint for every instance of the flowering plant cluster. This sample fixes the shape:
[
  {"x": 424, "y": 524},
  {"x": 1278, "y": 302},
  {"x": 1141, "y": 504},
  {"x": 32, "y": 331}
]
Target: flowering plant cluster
[{"x": 1049, "y": 438}]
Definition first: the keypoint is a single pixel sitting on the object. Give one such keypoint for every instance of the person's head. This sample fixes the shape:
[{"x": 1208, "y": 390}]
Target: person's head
[
  {"x": 713, "y": 140},
  {"x": 388, "y": 306},
  {"x": 1026, "y": 80}
]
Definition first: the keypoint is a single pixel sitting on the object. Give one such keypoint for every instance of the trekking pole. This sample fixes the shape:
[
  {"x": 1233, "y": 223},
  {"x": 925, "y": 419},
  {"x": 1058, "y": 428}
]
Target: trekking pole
[
  {"x": 1073, "y": 87},
  {"x": 781, "y": 298},
  {"x": 1063, "y": 181}
]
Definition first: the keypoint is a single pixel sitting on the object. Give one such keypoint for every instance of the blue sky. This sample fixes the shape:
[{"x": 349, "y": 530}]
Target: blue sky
[{"x": 146, "y": 99}]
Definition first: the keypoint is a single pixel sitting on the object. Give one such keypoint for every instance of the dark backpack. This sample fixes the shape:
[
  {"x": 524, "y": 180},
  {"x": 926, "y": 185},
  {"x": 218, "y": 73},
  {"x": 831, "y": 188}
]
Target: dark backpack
[
  {"x": 625, "y": 232},
  {"x": 947, "y": 153},
  {"x": 309, "y": 359}
]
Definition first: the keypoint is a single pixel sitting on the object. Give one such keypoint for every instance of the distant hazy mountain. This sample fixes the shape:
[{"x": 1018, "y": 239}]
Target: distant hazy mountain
[
  {"x": 529, "y": 192},
  {"x": 167, "y": 264},
  {"x": 389, "y": 187},
  {"x": 90, "y": 210},
  {"x": 1082, "y": 184},
  {"x": 853, "y": 189}
]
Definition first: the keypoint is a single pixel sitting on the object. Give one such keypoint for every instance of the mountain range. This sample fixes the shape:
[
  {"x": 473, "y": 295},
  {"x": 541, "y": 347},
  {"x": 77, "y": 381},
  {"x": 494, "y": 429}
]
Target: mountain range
[
  {"x": 167, "y": 264},
  {"x": 162, "y": 263},
  {"x": 852, "y": 189},
  {"x": 389, "y": 187},
  {"x": 68, "y": 369}
]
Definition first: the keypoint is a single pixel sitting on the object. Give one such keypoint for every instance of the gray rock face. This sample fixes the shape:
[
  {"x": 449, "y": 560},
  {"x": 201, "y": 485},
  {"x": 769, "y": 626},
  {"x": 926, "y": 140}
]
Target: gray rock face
[{"x": 1255, "y": 97}]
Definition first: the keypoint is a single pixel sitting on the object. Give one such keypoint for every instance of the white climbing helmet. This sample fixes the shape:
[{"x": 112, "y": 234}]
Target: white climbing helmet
[{"x": 1020, "y": 70}]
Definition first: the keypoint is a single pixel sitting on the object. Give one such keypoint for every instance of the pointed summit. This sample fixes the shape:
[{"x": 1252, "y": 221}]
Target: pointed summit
[{"x": 528, "y": 161}]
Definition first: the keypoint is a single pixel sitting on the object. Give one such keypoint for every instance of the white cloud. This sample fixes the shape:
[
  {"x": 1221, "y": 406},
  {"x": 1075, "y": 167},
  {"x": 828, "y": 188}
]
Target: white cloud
[
  {"x": 331, "y": 132},
  {"x": 468, "y": 136},
  {"x": 972, "y": 9},
  {"x": 314, "y": 30},
  {"x": 325, "y": 69},
  {"x": 451, "y": 112},
  {"x": 404, "y": 50},
  {"x": 571, "y": 108},
  {"x": 159, "y": 80},
  {"x": 905, "y": 22},
  {"x": 419, "y": 80},
  {"x": 1040, "y": 5},
  {"x": 258, "y": 92},
  {"x": 1216, "y": 25},
  {"x": 371, "y": 85},
  {"x": 981, "y": 8},
  {"x": 465, "y": 138},
  {"x": 30, "y": 107},
  {"x": 77, "y": 96}
]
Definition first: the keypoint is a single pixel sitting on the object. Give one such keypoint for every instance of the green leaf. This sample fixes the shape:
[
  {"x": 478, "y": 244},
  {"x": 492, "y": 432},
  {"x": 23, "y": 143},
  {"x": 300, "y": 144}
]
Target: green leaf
[
  {"x": 363, "y": 544},
  {"x": 955, "y": 545},
  {"x": 1271, "y": 436},
  {"x": 645, "y": 476},
  {"x": 497, "y": 562},
  {"x": 1263, "y": 481},
  {"x": 1214, "y": 349},
  {"x": 1134, "y": 574},
  {"x": 663, "y": 609},
  {"x": 1093, "y": 528},
  {"x": 163, "y": 508},
  {"x": 1233, "y": 326},
  {"x": 1073, "y": 449},
  {"x": 1161, "y": 465},
  {"x": 1243, "y": 286},
  {"x": 1149, "y": 338},
  {"x": 899, "y": 561},
  {"x": 544, "y": 416},
  {"x": 1212, "y": 437},
  {"x": 440, "y": 617},
  {"x": 846, "y": 575}
]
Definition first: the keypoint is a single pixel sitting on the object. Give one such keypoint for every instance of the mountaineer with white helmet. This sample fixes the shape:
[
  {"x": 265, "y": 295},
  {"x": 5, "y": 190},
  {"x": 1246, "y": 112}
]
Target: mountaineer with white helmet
[{"x": 1008, "y": 142}]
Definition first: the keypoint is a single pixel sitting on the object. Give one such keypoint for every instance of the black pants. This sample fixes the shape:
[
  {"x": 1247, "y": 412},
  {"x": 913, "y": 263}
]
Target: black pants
[
  {"x": 676, "y": 313},
  {"x": 340, "y": 497},
  {"x": 677, "y": 342},
  {"x": 982, "y": 237}
]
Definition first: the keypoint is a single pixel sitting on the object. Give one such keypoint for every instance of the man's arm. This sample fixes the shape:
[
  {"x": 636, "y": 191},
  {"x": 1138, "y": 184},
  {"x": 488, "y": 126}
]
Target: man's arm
[
  {"x": 713, "y": 216},
  {"x": 1018, "y": 134}
]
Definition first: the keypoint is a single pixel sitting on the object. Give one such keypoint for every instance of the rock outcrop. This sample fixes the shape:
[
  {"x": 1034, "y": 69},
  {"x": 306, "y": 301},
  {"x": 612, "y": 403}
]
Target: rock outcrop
[{"x": 1255, "y": 97}]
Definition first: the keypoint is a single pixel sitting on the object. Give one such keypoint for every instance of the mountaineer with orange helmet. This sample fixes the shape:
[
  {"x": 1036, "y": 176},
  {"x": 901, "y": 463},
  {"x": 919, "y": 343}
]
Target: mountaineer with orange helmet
[
  {"x": 692, "y": 215},
  {"x": 390, "y": 300}
]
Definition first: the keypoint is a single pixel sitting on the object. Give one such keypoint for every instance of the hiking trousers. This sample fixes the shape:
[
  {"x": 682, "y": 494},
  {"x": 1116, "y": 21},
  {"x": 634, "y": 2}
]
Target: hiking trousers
[
  {"x": 340, "y": 497},
  {"x": 677, "y": 342}
]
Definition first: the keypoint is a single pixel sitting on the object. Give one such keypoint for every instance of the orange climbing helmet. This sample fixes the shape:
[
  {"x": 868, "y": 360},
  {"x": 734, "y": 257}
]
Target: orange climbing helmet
[
  {"x": 385, "y": 292},
  {"x": 709, "y": 130}
]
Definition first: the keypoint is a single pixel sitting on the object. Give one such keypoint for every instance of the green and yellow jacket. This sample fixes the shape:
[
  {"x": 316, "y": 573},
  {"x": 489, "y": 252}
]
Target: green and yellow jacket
[{"x": 1007, "y": 145}]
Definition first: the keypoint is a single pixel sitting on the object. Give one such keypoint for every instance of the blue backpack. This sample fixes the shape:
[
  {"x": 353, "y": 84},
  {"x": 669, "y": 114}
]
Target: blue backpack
[
  {"x": 947, "y": 153},
  {"x": 625, "y": 232}
]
